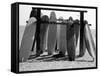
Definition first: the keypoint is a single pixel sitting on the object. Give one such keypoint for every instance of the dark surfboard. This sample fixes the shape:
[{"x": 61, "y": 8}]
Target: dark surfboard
[{"x": 70, "y": 40}]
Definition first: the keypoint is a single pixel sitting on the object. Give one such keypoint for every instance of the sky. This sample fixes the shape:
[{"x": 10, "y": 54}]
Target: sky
[{"x": 90, "y": 16}]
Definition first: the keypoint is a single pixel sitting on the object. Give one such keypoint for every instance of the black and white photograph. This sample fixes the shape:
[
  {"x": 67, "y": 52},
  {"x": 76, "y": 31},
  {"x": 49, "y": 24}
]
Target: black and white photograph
[{"x": 56, "y": 37}]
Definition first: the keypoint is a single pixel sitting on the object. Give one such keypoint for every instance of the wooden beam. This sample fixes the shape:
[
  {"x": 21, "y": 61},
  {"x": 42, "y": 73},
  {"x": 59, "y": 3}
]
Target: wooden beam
[
  {"x": 82, "y": 44},
  {"x": 56, "y": 9}
]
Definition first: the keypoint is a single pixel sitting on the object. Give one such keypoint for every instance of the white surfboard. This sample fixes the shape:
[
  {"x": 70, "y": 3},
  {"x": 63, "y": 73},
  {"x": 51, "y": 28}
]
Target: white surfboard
[
  {"x": 89, "y": 41},
  {"x": 52, "y": 32},
  {"x": 27, "y": 40},
  {"x": 62, "y": 38},
  {"x": 77, "y": 29}
]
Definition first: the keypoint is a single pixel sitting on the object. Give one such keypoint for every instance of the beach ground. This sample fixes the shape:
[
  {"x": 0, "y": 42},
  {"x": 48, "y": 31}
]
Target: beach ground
[{"x": 47, "y": 63}]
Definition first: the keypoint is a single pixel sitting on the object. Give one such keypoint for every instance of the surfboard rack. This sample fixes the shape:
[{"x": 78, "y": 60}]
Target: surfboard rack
[
  {"x": 37, "y": 38},
  {"x": 63, "y": 23}
]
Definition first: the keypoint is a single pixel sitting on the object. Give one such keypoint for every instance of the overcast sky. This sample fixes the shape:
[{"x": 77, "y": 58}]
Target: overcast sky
[{"x": 24, "y": 13}]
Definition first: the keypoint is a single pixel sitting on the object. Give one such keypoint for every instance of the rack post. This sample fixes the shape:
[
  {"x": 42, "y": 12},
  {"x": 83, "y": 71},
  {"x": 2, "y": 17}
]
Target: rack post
[
  {"x": 38, "y": 32},
  {"x": 82, "y": 46}
]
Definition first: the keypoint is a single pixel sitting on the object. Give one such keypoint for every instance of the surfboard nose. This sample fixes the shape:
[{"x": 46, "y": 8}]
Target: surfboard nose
[{"x": 53, "y": 16}]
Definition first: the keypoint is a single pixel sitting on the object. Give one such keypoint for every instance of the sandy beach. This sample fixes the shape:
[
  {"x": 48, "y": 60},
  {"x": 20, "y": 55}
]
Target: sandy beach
[{"x": 47, "y": 64}]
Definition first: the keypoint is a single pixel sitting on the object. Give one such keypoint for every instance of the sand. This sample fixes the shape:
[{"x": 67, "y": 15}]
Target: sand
[{"x": 34, "y": 64}]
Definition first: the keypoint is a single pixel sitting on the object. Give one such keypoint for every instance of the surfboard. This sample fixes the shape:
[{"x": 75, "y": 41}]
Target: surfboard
[
  {"x": 27, "y": 40},
  {"x": 77, "y": 28},
  {"x": 43, "y": 32},
  {"x": 62, "y": 38},
  {"x": 52, "y": 32},
  {"x": 89, "y": 41},
  {"x": 57, "y": 41},
  {"x": 70, "y": 40}
]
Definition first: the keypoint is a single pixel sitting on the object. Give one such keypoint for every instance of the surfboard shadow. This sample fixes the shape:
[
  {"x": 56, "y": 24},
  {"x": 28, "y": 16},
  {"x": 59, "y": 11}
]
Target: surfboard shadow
[
  {"x": 56, "y": 59},
  {"x": 45, "y": 57}
]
